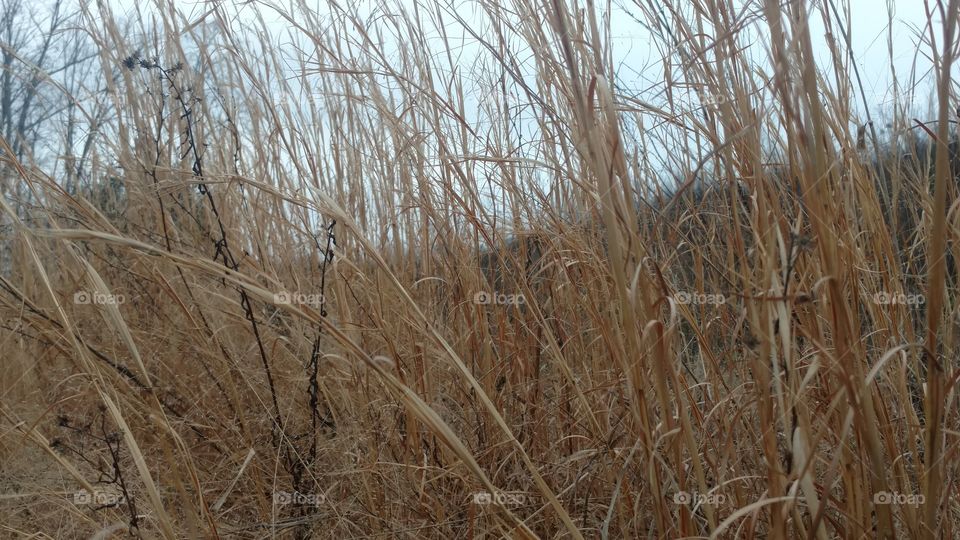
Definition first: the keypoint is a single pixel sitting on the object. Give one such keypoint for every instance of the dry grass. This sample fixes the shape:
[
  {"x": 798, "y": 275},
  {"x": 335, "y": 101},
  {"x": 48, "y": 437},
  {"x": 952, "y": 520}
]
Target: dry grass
[{"x": 397, "y": 182}]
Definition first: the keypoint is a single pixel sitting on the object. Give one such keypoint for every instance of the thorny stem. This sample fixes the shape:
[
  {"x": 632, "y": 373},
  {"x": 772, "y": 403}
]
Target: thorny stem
[{"x": 223, "y": 251}]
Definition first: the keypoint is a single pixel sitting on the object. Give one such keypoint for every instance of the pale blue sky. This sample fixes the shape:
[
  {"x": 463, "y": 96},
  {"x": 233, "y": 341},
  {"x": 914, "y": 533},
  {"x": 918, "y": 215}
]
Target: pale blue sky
[
  {"x": 882, "y": 33},
  {"x": 637, "y": 59}
]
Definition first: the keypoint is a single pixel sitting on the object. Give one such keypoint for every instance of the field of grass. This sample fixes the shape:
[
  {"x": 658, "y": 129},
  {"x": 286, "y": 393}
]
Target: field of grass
[{"x": 338, "y": 274}]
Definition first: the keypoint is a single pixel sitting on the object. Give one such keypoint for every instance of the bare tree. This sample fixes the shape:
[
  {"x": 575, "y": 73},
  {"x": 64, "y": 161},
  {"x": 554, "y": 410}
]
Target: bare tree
[
  {"x": 51, "y": 102},
  {"x": 44, "y": 67}
]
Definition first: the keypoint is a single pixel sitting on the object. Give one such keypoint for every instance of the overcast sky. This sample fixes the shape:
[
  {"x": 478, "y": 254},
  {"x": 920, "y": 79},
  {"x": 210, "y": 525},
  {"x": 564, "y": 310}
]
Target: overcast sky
[
  {"x": 872, "y": 36},
  {"x": 881, "y": 33},
  {"x": 637, "y": 60}
]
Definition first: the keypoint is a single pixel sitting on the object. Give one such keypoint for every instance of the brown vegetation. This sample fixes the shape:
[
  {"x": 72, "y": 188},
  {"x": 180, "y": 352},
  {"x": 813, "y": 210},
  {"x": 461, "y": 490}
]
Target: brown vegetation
[{"x": 259, "y": 316}]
